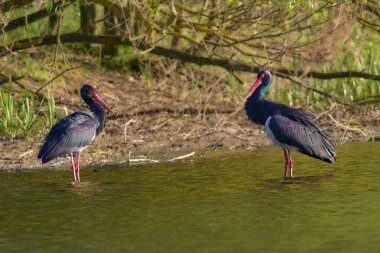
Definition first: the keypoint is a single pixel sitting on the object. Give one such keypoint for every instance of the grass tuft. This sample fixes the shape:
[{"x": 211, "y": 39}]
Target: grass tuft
[{"x": 20, "y": 117}]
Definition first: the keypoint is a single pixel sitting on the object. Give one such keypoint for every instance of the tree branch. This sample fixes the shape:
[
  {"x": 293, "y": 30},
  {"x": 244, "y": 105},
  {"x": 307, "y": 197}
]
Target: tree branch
[
  {"x": 5, "y": 6},
  {"x": 5, "y": 79},
  {"x": 175, "y": 54},
  {"x": 308, "y": 87},
  {"x": 24, "y": 20}
]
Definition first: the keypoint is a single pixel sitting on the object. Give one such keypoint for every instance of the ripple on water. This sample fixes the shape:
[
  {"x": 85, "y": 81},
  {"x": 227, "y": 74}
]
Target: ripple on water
[{"x": 236, "y": 204}]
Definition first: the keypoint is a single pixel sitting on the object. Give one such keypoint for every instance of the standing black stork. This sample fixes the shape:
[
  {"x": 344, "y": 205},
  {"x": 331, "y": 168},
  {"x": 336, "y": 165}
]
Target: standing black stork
[
  {"x": 73, "y": 133},
  {"x": 291, "y": 129}
]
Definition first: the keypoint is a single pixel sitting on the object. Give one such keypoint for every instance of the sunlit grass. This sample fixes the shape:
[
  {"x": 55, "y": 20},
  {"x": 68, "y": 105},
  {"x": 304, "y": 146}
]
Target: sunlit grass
[
  {"x": 20, "y": 117},
  {"x": 50, "y": 115},
  {"x": 17, "y": 117},
  {"x": 364, "y": 56}
]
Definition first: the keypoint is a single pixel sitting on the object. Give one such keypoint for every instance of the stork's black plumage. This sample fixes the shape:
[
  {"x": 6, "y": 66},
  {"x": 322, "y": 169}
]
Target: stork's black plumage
[
  {"x": 73, "y": 133},
  {"x": 291, "y": 129}
]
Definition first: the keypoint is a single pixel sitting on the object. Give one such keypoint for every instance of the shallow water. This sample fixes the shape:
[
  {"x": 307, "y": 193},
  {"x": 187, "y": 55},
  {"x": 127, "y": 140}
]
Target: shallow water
[{"x": 235, "y": 201}]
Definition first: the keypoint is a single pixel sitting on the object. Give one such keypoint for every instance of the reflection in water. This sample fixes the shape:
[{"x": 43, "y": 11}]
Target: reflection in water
[
  {"x": 229, "y": 202},
  {"x": 83, "y": 185},
  {"x": 299, "y": 180}
]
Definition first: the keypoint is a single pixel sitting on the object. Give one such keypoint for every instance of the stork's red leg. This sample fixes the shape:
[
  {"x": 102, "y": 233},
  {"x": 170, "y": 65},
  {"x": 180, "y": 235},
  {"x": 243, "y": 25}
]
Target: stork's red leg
[
  {"x": 77, "y": 166},
  {"x": 290, "y": 164},
  {"x": 286, "y": 162},
  {"x": 73, "y": 167}
]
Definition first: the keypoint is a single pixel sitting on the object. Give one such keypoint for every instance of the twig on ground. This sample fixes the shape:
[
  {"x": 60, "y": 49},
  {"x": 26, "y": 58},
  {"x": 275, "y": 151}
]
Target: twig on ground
[
  {"x": 353, "y": 129},
  {"x": 217, "y": 132},
  {"x": 60, "y": 74},
  {"x": 140, "y": 160},
  {"x": 125, "y": 127},
  {"x": 214, "y": 146},
  {"x": 160, "y": 125},
  {"x": 143, "y": 160},
  {"x": 147, "y": 160},
  {"x": 6, "y": 79},
  {"x": 326, "y": 112},
  {"x": 191, "y": 111},
  {"x": 25, "y": 153},
  {"x": 181, "y": 157}
]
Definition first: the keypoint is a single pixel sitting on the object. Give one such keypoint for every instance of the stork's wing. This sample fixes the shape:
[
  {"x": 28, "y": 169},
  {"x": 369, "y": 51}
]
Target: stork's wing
[
  {"x": 296, "y": 129},
  {"x": 68, "y": 135}
]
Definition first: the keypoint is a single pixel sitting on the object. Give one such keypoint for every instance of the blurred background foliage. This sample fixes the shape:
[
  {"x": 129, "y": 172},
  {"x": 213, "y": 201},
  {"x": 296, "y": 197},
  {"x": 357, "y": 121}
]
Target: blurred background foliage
[{"x": 322, "y": 52}]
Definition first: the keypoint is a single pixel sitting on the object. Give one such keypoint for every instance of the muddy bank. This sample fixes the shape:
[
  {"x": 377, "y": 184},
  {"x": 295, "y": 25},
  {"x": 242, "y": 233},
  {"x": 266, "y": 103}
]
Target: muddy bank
[
  {"x": 167, "y": 121},
  {"x": 134, "y": 140}
]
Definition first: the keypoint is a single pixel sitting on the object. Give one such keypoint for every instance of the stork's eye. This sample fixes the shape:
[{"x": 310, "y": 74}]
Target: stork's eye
[{"x": 262, "y": 76}]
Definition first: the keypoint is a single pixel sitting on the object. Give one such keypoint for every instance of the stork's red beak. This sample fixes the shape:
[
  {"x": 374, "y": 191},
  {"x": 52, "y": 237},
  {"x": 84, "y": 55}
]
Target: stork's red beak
[
  {"x": 254, "y": 87},
  {"x": 100, "y": 100}
]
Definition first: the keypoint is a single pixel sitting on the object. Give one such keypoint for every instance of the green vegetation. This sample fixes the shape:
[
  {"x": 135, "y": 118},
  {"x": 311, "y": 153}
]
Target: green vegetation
[
  {"x": 293, "y": 38},
  {"x": 21, "y": 117},
  {"x": 360, "y": 55}
]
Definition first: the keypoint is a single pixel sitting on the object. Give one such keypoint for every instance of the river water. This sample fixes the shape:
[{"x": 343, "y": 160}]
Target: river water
[{"x": 230, "y": 201}]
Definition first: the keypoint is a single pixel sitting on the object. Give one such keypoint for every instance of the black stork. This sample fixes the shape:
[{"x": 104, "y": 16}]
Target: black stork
[
  {"x": 72, "y": 134},
  {"x": 291, "y": 129}
]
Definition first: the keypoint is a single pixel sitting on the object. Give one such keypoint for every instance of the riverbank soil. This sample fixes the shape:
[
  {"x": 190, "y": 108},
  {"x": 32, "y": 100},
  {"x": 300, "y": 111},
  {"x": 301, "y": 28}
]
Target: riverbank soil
[{"x": 158, "y": 119}]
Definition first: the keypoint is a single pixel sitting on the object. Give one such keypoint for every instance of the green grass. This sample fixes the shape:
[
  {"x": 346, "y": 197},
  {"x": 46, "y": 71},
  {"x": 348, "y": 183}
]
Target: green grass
[
  {"x": 357, "y": 55},
  {"x": 17, "y": 117},
  {"x": 50, "y": 115},
  {"x": 70, "y": 23},
  {"x": 125, "y": 59},
  {"x": 20, "y": 117},
  {"x": 147, "y": 73}
]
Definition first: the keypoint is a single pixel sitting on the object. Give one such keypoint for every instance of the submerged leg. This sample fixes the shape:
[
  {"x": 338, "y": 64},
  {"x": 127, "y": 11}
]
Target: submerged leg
[
  {"x": 73, "y": 167},
  {"x": 286, "y": 162},
  {"x": 77, "y": 166}
]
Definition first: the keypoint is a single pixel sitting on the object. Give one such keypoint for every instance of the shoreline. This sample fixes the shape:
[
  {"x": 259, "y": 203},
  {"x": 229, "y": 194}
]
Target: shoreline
[
  {"x": 164, "y": 123},
  {"x": 63, "y": 163}
]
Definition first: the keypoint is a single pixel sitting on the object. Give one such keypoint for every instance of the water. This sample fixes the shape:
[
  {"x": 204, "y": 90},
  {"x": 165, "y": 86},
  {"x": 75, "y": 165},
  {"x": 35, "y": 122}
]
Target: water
[{"x": 235, "y": 201}]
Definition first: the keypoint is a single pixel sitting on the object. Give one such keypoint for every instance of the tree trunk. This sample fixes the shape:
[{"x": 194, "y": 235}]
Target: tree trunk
[
  {"x": 54, "y": 18},
  {"x": 110, "y": 22},
  {"x": 87, "y": 18}
]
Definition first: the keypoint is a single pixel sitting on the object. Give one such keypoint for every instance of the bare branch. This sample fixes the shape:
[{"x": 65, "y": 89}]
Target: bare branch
[{"x": 175, "y": 54}]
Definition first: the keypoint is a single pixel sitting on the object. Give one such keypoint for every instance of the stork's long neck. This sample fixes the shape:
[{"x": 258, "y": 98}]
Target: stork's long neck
[
  {"x": 257, "y": 108},
  {"x": 100, "y": 115}
]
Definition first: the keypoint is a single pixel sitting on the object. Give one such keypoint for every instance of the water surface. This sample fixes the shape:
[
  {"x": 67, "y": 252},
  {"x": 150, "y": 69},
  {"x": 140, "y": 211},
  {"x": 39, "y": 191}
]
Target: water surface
[{"x": 235, "y": 201}]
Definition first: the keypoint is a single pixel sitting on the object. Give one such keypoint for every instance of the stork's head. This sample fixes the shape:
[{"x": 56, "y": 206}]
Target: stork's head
[
  {"x": 262, "y": 83},
  {"x": 90, "y": 96}
]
